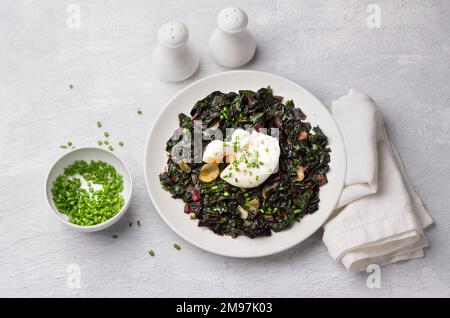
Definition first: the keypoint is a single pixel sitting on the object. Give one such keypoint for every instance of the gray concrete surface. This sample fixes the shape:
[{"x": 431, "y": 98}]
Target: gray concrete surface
[{"x": 325, "y": 46}]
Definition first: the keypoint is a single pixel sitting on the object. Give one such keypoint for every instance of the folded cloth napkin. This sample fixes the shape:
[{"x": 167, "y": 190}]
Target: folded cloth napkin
[{"x": 379, "y": 219}]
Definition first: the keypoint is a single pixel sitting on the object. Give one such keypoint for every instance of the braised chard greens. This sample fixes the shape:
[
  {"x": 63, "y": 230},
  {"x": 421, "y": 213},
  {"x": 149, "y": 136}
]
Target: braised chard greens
[{"x": 286, "y": 196}]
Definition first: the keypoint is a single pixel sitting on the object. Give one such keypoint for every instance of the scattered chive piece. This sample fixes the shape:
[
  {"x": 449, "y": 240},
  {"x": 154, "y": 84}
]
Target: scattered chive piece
[
  {"x": 70, "y": 86},
  {"x": 99, "y": 124},
  {"x": 106, "y": 142},
  {"x": 110, "y": 148},
  {"x": 69, "y": 143},
  {"x": 138, "y": 223},
  {"x": 177, "y": 247},
  {"x": 63, "y": 147},
  {"x": 120, "y": 143},
  {"x": 106, "y": 134},
  {"x": 115, "y": 236},
  {"x": 130, "y": 224},
  {"x": 152, "y": 253},
  {"x": 100, "y": 143},
  {"x": 139, "y": 112}
]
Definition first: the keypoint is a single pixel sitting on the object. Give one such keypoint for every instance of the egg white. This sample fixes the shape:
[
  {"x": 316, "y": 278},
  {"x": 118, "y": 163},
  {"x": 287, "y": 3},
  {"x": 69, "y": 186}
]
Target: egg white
[{"x": 254, "y": 157}]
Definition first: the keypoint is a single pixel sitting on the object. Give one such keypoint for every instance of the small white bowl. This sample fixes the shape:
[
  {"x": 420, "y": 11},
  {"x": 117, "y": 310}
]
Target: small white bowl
[{"x": 88, "y": 154}]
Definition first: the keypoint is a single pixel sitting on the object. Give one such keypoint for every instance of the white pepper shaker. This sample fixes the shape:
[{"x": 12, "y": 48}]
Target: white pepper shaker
[
  {"x": 231, "y": 44},
  {"x": 174, "y": 58}
]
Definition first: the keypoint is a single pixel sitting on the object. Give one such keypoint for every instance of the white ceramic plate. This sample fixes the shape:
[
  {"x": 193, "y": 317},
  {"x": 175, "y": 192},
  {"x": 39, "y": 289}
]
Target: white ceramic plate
[{"x": 171, "y": 210}]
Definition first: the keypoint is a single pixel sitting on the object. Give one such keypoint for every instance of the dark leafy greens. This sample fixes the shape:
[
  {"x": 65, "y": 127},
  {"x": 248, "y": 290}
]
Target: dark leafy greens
[{"x": 285, "y": 196}]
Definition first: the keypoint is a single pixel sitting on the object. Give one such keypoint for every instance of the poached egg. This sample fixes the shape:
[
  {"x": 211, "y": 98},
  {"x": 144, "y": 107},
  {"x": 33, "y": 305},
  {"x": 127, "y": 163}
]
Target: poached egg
[{"x": 252, "y": 157}]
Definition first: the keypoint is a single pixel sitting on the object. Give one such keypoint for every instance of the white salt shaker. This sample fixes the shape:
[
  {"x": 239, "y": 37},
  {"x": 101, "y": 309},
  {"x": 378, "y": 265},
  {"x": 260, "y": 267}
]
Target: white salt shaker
[
  {"x": 231, "y": 44},
  {"x": 174, "y": 58}
]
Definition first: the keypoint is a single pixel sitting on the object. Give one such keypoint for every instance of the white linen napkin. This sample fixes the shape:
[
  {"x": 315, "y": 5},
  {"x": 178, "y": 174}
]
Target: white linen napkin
[{"x": 379, "y": 219}]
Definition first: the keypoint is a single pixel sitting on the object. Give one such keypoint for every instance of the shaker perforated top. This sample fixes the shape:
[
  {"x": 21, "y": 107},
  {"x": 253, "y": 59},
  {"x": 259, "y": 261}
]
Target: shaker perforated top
[
  {"x": 232, "y": 20},
  {"x": 173, "y": 34}
]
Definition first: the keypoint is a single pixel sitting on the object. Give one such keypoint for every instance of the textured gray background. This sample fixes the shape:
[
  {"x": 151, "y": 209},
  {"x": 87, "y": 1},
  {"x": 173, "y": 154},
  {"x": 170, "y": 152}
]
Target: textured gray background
[{"x": 323, "y": 45}]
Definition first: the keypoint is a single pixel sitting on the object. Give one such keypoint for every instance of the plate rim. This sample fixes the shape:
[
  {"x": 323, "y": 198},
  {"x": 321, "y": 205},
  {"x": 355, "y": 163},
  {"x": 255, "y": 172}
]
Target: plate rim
[{"x": 339, "y": 139}]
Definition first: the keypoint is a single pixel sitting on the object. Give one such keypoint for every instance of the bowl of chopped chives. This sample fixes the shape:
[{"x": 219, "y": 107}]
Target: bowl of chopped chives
[{"x": 89, "y": 189}]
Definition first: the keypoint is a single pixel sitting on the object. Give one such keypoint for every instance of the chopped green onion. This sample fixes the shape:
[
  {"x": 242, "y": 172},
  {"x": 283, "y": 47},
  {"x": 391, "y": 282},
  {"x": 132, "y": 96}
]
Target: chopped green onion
[
  {"x": 106, "y": 134},
  {"x": 83, "y": 206},
  {"x": 99, "y": 124},
  {"x": 177, "y": 247},
  {"x": 152, "y": 253}
]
